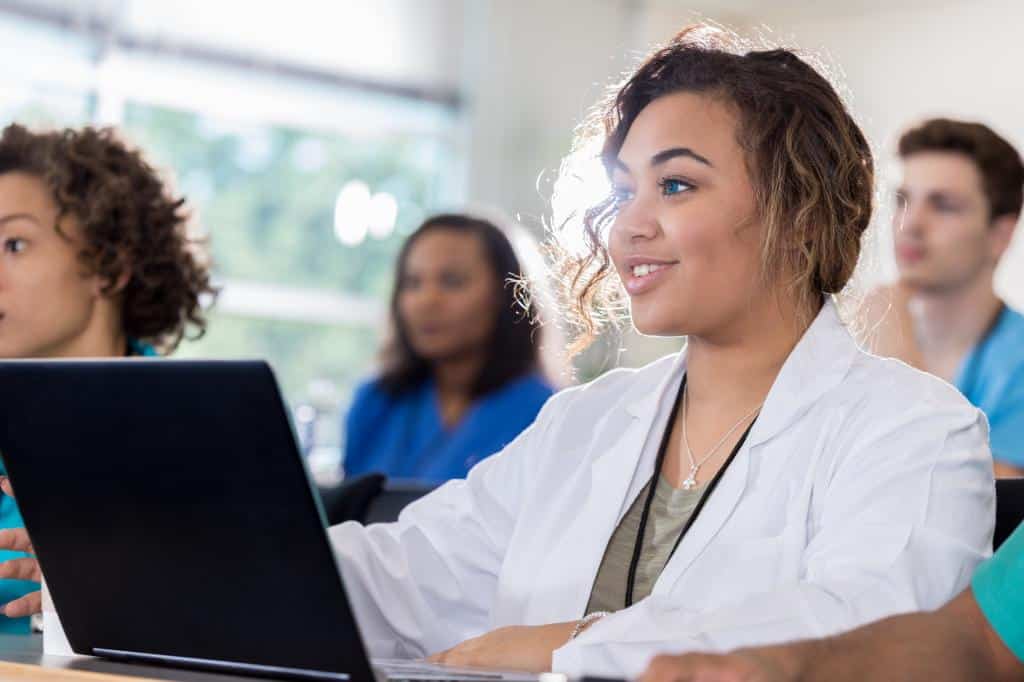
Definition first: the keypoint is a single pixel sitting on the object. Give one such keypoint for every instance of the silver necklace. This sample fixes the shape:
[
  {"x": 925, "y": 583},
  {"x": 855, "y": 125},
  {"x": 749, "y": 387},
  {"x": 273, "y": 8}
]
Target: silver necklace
[{"x": 691, "y": 480}]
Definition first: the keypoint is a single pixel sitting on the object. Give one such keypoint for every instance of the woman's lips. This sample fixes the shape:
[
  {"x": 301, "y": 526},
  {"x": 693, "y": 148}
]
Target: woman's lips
[
  {"x": 636, "y": 285},
  {"x": 429, "y": 329}
]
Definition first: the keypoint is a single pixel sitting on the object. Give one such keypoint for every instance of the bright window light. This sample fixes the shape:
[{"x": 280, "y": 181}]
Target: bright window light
[
  {"x": 383, "y": 214},
  {"x": 352, "y": 213}
]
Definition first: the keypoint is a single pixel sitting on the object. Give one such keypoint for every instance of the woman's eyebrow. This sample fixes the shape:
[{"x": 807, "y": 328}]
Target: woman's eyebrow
[
  {"x": 18, "y": 216},
  {"x": 663, "y": 156}
]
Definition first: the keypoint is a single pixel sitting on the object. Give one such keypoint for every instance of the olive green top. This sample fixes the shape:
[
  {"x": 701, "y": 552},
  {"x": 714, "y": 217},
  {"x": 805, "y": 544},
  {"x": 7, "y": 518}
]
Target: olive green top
[{"x": 671, "y": 508}]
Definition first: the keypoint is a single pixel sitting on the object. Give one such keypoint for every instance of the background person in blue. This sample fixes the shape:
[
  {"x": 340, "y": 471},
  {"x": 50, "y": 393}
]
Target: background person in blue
[
  {"x": 94, "y": 262},
  {"x": 957, "y": 209},
  {"x": 460, "y": 375}
]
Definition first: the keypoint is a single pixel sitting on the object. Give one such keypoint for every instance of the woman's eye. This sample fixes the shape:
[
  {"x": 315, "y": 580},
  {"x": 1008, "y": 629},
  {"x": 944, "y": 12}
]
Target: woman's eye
[
  {"x": 14, "y": 245},
  {"x": 452, "y": 281},
  {"x": 672, "y": 186}
]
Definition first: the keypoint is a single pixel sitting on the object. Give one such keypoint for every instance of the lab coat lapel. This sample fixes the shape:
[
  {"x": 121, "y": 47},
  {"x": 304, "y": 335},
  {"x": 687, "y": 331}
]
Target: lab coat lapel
[
  {"x": 716, "y": 512},
  {"x": 818, "y": 363},
  {"x": 613, "y": 474}
]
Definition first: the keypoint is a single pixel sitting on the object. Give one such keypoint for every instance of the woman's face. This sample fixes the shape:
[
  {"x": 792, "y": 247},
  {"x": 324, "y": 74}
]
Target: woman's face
[
  {"x": 448, "y": 296},
  {"x": 686, "y": 239},
  {"x": 47, "y": 301}
]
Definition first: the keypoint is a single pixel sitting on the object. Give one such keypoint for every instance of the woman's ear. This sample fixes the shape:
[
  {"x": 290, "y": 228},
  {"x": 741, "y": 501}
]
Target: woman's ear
[{"x": 105, "y": 287}]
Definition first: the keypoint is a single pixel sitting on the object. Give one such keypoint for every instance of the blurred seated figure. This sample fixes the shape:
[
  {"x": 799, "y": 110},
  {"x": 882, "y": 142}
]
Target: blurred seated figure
[
  {"x": 460, "y": 376},
  {"x": 958, "y": 206},
  {"x": 95, "y": 261}
]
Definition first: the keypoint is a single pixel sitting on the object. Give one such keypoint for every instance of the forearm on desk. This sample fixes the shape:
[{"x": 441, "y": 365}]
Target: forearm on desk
[{"x": 952, "y": 644}]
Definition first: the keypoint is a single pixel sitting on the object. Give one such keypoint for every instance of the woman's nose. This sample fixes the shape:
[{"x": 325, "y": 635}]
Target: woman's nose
[{"x": 635, "y": 222}]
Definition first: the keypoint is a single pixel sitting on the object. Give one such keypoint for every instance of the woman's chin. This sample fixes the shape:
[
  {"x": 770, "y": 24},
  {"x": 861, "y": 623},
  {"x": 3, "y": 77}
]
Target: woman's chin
[{"x": 650, "y": 326}]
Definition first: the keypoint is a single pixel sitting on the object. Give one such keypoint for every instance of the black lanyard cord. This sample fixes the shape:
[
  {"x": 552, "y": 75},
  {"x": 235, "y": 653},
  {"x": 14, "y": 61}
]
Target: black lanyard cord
[{"x": 638, "y": 543}]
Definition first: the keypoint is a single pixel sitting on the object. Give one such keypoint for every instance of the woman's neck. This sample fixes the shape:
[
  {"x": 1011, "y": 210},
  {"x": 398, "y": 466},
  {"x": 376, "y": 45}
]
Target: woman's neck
[
  {"x": 734, "y": 369},
  {"x": 457, "y": 376},
  {"x": 455, "y": 380}
]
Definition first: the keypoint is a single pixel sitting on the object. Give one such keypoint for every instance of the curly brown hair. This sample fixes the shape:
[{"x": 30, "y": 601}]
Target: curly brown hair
[
  {"x": 1001, "y": 168},
  {"x": 810, "y": 165},
  {"x": 134, "y": 229}
]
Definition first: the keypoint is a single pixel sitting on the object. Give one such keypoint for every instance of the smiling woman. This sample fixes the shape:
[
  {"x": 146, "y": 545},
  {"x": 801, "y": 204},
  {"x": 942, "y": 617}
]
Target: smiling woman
[
  {"x": 799, "y": 175},
  {"x": 770, "y": 482}
]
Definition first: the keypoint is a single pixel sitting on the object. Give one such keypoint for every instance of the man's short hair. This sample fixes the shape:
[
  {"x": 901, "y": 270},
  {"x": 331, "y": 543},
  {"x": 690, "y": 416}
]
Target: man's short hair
[{"x": 1002, "y": 172}]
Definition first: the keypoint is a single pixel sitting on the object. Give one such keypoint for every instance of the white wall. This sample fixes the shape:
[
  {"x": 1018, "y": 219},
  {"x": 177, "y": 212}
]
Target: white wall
[{"x": 534, "y": 68}]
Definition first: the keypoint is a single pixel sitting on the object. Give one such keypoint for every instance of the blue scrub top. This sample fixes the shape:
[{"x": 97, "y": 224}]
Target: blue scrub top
[
  {"x": 992, "y": 378},
  {"x": 404, "y": 437},
  {"x": 998, "y": 586},
  {"x": 10, "y": 517}
]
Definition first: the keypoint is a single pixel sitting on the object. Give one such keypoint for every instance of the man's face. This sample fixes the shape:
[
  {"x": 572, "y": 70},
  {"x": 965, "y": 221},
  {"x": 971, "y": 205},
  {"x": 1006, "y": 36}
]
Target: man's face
[{"x": 944, "y": 235}]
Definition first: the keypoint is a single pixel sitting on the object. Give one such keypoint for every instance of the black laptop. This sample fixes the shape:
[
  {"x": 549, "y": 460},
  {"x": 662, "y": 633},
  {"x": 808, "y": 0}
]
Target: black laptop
[{"x": 175, "y": 521}]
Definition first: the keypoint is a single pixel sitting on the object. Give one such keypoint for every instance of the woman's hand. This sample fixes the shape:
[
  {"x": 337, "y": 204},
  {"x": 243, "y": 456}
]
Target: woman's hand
[
  {"x": 520, "y": 647},
  {"x": 17, "y": 539}
]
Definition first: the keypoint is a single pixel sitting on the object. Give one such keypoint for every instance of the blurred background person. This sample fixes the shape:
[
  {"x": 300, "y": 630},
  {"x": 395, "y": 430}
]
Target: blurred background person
[
  {"x": 95, "y": 262},
  {"x": 460, "y": 375},
  {"x": 958, "y": 206}
]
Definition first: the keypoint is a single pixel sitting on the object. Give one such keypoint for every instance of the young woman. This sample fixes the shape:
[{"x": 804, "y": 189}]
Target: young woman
[
  {"x": 770, "y": 482},
  {"x": 94, "y": 262},
  {"x": 460, "y": 377}
]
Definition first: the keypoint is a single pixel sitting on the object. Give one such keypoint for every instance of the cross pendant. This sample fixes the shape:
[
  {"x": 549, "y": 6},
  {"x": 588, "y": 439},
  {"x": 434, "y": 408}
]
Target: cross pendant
[{"x": 691, "y": 481}]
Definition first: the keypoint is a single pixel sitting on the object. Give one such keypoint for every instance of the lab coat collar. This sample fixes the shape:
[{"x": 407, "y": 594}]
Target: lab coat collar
[{"x": 817, "y": 363}]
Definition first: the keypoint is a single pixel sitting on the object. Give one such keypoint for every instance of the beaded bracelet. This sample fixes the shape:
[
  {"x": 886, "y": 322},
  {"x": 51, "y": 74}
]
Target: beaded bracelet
[{"x": 585, "y": 621}]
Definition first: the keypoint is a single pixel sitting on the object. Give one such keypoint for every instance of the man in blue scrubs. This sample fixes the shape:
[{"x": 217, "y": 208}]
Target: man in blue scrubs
[{"x": 957, "y": 208}]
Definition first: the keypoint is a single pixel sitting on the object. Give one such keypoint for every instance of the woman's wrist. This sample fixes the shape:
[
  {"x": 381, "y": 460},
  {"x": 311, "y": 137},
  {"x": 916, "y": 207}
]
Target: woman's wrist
[{"x": 585, "y": 622}]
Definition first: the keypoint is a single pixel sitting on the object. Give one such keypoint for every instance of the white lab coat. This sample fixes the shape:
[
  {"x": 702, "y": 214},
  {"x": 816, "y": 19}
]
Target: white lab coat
[{"x": 864, "y": 489}]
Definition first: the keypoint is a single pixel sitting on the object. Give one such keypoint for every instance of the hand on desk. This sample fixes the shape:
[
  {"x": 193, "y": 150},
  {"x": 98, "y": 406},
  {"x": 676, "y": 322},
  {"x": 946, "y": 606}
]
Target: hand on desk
[
  {"x": 17, "y": 539},
  {"x": 520, "y": 647}
]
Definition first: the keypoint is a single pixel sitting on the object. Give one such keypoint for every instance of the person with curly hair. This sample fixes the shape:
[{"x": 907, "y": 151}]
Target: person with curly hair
[
  {"x": 95, "y": 261},
  {"x": 770, "y": 482}
]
